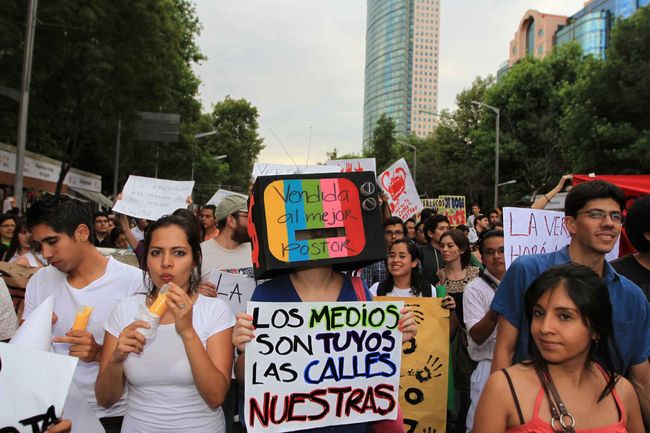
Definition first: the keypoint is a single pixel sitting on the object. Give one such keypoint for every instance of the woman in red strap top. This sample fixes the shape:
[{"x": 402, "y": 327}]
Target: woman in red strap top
[{"x": 572, "y": 371}]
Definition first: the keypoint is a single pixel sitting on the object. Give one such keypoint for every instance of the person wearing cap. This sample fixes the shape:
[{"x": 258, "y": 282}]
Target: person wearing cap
[{"x": 229, "y": 251}]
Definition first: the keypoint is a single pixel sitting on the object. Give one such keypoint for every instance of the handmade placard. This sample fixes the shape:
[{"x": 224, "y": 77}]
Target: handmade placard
[
  {"x": 535, "y": 231},
  {"x": 314, "y": 219},
  {"x": 269, "y": 169},
  {"x": 146, "y": 197},
  {"x": 403, "y": 197},
  {"x": 317, "y": 364},
  {"x": 425, "y": 367},
  {"x": 235, "y": 290},
  {"x": 34, "y": 386}
]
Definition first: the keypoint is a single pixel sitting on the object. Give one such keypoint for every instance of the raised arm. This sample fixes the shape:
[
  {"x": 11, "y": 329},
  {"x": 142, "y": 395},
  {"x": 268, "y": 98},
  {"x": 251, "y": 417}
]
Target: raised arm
[{"x": 541, "y": 202}]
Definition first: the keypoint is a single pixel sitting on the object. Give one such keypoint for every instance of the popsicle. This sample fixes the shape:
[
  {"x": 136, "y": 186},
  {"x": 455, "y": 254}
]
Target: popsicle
[
  {"x": 82, "y": 317},
  {"x": 159, "y": 306}
]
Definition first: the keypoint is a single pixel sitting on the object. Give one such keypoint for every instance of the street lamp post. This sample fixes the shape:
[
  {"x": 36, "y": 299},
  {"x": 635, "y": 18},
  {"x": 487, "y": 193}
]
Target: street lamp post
[
  {"x": 415, "y": 159},
  {"x": 496, "y": 151}
]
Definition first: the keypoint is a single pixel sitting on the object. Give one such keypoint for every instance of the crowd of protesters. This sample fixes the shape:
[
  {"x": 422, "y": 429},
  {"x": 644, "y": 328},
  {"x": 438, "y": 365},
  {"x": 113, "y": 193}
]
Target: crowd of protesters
[{"x": 562, "y": 336}]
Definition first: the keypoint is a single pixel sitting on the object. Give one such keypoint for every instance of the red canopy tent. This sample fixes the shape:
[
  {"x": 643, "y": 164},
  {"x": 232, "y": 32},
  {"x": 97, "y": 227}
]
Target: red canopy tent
[{"x": 633, "y": 185}]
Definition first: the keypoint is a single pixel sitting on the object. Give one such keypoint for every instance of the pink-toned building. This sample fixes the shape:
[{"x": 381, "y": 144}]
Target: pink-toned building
[{"x": 534, "y": 36}]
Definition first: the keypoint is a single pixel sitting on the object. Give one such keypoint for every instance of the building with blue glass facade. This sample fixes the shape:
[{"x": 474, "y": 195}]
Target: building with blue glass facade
[
  {"x": 590, "y": 26},
  {"x": 401, "y": 68}
]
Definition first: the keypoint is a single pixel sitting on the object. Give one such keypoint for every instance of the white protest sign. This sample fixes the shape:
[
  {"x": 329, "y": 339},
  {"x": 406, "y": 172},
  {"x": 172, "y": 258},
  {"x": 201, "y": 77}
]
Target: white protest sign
[
  {"x": 317, "y": 364},
  {"x": 36, "y": 331},
  {"x": 536, "y": 231},
  {"x": 145, "y": 197},
  {"x": 235, "y": 290},
  {"x": 34, "y": 386},
  {"x": 262, "y": 169},
  {"x": 403, "y": 198},
  {"x": 221, "y": 194},
  {"x": 356, "y": 164}
]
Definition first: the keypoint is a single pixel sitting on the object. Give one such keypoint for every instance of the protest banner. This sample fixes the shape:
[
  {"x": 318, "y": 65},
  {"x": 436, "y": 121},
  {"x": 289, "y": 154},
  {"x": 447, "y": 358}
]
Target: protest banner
[
  {"x": 356, "y": 164},
  {"x": 323, "y": 218},
  {"x": 317, "y": 364},
  {"x": 264, "y": 169},
  {"x": 425, "y": 367},
  {"x": 403, "y": 198},
  {"x": 453, "y": 207},
  {"x": 34, "y": 387},
  {"x": 221, "y": 194},
  {"x": 235, "y": 290},
  {"x": 145, "y": 197},
  {"x": 536, "y": 231}
]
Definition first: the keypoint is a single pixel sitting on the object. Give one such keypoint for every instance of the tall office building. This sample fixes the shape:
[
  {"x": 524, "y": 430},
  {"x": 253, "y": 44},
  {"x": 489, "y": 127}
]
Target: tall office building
[{"x": 401, "y": 76}]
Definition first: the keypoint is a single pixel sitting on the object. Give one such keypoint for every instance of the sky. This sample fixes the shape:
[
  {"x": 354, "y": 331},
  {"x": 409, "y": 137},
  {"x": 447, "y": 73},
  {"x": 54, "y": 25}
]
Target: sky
[{"x": 301, "y": 63}]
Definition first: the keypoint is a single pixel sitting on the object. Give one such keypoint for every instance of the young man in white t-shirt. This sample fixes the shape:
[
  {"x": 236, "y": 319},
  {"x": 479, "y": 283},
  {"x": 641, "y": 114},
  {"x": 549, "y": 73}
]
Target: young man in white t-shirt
[{"x": 78, "y": 275}]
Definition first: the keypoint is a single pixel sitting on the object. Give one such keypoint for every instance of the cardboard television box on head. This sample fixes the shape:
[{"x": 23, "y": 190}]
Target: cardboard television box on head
[{"x": 302, "y": 220}]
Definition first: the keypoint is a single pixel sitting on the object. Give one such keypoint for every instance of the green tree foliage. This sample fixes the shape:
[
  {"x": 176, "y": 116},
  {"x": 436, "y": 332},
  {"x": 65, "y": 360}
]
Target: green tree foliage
[
  {"x": 531, "y": 104},
  {"x": 453, "y": 160},
  {"x": 606, "y": 125},
  {"x": 235, "y": 123},
  {"x": 96, "y": 62},
  {"x": 383, "y": 144}
]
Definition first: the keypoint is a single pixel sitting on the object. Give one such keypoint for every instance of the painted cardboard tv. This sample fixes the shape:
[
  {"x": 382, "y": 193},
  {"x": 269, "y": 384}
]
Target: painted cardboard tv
[{"x": 301, "y": 220}]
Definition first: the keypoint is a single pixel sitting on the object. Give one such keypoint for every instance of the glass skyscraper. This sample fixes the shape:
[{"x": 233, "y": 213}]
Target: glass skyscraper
[{"x": 401, "y": 74}]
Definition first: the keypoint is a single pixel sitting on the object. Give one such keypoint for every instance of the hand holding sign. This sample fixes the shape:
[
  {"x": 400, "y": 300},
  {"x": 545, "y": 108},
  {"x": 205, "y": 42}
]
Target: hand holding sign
[{"x": 243, "y": 332}]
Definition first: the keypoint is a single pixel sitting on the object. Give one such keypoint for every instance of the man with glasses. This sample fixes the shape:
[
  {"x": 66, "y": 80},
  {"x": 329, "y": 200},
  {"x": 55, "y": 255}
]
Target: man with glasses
[
  {"x": 593, "y": 219},
  {"x": 394, "y": 229},
  {"x": 102, "y": 233},
  {"x": 480, "y": 320}
]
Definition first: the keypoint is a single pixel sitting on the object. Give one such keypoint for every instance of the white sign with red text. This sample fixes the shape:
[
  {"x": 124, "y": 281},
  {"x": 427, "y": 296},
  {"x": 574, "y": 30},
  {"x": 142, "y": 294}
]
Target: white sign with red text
[
  {"x": 398, "y": 184},
  {"x": 536, "y": 231}
]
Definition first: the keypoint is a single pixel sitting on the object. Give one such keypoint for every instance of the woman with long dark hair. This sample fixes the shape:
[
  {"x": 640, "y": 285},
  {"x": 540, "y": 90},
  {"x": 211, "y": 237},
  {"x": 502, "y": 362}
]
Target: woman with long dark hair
[
  {"x": 404, "y": 278},
  {"x": 20, "y": 250},
  {"x": 570, "y": 383},
  {"x": 178, "y": 378}
]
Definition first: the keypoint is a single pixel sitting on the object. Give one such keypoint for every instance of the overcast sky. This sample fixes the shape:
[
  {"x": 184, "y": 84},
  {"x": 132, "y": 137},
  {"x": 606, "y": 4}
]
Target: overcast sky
[{"x": 301, "y": 62}]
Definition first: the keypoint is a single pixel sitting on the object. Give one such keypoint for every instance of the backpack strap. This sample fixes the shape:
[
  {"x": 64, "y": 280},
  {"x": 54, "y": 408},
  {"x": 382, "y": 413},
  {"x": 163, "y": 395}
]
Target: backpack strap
[{"x": 357, "y": 284}]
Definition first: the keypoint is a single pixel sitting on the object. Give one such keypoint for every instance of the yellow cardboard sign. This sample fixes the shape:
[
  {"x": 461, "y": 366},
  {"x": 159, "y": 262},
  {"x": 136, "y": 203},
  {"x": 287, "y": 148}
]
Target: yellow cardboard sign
[{"x": 424, "y": 372}]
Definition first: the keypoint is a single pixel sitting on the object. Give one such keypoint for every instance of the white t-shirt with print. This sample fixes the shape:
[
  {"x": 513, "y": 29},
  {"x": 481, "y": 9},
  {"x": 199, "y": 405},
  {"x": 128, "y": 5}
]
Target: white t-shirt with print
[
  {"x": 162, "y": 396},
  {"x": 237, "y": 261},
  {"x": 118, "y": 282}
]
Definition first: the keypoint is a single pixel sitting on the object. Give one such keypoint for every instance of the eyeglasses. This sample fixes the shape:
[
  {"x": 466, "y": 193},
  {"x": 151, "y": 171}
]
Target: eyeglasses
[
  {"x": 491, "y": 252},
  {"x": 599, "y": 214},
  {"x": 420, "y": 230},
  {"x": 8, "y": 226},
  {"x": 393, "y": 232}
]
